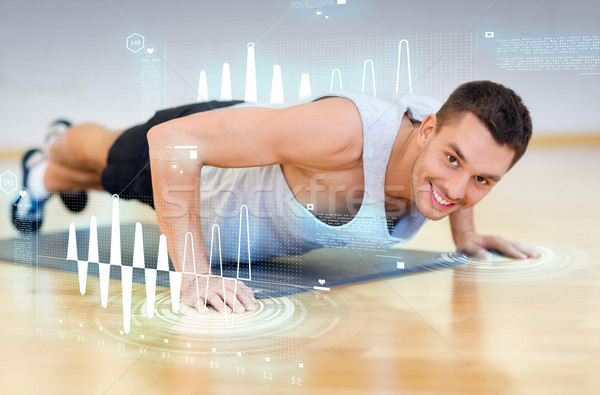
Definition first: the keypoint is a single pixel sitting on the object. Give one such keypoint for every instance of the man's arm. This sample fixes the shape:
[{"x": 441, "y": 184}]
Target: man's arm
[
  {"x": 468, "y": 241},
  {"x": 321, "y": 134}
]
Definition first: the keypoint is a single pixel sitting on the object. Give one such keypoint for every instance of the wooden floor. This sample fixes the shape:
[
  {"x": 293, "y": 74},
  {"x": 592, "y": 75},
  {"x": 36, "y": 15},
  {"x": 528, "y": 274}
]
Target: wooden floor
[{"x": 526, "y": 328}]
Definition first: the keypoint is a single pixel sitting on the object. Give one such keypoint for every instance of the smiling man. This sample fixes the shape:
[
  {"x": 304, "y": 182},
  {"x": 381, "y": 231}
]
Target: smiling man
[{"x": 344, "y": 169}]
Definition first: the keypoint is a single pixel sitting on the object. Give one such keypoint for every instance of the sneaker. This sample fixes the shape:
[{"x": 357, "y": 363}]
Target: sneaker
[
  {"x": 28, "y": 213},
  {"x": 75, "y": 201}
]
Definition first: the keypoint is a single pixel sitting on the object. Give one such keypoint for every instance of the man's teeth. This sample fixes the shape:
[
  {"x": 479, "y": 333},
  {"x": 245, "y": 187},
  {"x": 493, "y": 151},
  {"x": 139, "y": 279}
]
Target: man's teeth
[{"x": 439, "y": 198}]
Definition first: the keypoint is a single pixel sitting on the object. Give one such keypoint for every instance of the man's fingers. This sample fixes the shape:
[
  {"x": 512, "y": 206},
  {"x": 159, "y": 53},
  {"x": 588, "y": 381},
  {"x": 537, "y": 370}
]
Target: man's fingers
[
  {"x": 474, "y": 250},
  {"x": 216, "y": 302},
  {"x": 247, "y": 300},
  {"x": 529, "y": 251},
  {"x": 236, "y": 295},
  {"x": 505, "y": 247},
  {"x": 244, "y": 294},
  {"x": 225, "y": 295},
  {"x": 512, "y": 249}
]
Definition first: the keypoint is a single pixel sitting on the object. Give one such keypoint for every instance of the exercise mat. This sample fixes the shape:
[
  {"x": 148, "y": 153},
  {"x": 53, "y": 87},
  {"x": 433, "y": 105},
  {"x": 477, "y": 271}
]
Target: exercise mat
[{"x": 318, "y": 269}]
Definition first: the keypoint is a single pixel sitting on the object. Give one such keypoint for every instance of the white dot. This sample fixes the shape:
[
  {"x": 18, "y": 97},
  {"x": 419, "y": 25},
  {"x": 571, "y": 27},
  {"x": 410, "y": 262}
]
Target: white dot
[
  {"x": 141, "y": 336},
  {"x": 101, "y": 329},
  {"x": 60, "y": 321},
  {"x": 80, "y": 325},
  {"x": 189, "y": 345},
  {"x": 166, "y": 341},
  {"x": 300, "y": 365},
  {"x": 121, "y": 332}
]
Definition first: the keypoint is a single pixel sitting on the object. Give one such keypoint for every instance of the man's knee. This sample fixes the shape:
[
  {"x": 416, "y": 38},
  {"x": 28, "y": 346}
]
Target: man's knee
[{"x": 84, "y": 146}]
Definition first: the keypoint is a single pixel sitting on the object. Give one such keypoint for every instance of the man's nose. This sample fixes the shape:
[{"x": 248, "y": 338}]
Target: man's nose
[{"x": 456, "y": 187}]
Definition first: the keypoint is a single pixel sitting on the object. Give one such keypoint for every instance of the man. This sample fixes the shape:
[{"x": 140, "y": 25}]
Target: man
[{"x": 343, "y": 169}]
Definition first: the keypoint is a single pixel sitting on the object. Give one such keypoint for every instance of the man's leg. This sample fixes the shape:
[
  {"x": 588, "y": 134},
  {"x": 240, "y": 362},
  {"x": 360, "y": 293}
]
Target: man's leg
[
  {"x": 89, "y": 156},
  {"x": 78, "y": 157}
]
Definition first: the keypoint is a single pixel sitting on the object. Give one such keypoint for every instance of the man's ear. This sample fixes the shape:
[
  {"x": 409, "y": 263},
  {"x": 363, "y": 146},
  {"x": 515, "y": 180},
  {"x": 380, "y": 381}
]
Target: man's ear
[{"x": 426, "y": 130}]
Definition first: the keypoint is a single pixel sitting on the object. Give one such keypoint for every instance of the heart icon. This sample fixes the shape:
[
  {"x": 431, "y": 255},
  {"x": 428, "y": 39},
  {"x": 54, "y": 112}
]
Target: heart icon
[
  {"x": 150, "y": 50},
  {"x": 321, "y": 281},
  {"x": 23, "y": 192}
]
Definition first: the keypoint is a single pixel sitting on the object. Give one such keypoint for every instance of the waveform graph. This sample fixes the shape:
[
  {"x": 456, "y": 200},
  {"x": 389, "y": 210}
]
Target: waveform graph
[
  {"x": 369, "y": 62},
  {"x": 150, "y": 273},
  {"x": 408, "y": 66},
  {"x": 125, "y": 271},
  {"x": 335, "y": 72}
]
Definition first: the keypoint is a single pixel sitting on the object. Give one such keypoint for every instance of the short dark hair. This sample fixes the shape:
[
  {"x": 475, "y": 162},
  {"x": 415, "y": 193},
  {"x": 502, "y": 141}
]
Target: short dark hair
[{"x": 499, "y": 108}]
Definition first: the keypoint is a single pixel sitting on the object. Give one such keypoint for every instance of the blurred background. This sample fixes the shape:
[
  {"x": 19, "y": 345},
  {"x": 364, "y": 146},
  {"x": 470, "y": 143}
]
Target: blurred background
[{"x": 69, "y": 58}]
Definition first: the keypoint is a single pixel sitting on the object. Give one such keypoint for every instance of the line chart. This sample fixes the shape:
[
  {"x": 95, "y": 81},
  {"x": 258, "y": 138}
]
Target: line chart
[{"x": 150, "y": 273}]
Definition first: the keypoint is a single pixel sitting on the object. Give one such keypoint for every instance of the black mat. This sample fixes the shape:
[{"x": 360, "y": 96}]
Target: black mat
[{"x": 326, "y": 267}]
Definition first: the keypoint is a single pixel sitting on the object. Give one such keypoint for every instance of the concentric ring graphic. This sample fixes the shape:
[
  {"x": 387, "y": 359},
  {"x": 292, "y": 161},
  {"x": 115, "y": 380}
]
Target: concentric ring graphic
[
  {"x": 555, "y": 261},
  {"x": 281, "y": 328}
]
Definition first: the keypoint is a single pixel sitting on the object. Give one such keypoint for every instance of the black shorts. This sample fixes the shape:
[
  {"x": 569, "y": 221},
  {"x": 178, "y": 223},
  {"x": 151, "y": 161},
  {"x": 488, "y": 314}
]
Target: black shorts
[{"x": 127, "y": 171}]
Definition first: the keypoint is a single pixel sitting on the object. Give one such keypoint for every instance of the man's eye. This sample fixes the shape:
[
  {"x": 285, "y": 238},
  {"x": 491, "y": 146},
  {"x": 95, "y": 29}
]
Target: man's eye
[
  {"x": 452, "y": 160},
  {"x": 480, "y": 180}
]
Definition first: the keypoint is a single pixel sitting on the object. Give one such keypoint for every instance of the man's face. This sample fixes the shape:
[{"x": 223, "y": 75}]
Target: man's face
[{"x": 457, "y": 166}]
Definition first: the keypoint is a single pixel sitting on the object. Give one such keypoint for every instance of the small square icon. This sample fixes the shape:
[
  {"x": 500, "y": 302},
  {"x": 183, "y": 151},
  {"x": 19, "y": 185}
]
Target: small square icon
[
  {"x": 214, "y": 349},
  {"x": 239, "y": 354},
  {"x": 193, "y": 154},
  {"x": 267, "y": 359},
  {"x": 300, "y": 365},
  {"x": 340, "y": 2},
  {"x": 489, "y": 34},
  {"x": 310, "y": 206},
  {"x": 400, "y": 265}
]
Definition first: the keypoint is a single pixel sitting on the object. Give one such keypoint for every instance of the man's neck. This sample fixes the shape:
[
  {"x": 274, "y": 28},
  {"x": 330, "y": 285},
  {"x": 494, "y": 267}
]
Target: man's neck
[{"x": 403, "y": 156}]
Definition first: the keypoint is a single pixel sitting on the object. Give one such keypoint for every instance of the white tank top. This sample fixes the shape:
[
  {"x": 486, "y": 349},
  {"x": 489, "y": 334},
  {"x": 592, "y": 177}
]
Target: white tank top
[{"x": 278, "y": 225}]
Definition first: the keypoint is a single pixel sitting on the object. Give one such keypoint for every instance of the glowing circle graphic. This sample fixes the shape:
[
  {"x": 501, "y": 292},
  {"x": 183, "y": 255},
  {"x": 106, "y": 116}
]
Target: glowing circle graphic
[
  {"x": 280, "y": 328},
  {"x": 554, "y": 261}
]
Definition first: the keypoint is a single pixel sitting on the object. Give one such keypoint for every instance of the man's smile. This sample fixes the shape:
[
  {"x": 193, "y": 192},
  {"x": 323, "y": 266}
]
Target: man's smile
[{"x": 438, "y": 199}]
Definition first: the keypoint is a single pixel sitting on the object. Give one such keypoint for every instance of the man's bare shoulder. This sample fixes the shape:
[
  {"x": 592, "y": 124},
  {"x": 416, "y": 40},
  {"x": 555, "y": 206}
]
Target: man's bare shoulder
[{"x": 327, "y": 133}]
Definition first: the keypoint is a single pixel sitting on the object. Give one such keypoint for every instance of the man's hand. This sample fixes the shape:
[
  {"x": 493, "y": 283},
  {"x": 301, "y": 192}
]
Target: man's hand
[
  {"x": 223, "y": 294},
  {"x": 476, "y": 245}
]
